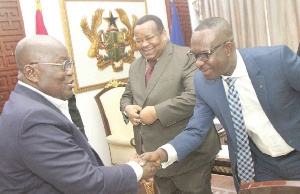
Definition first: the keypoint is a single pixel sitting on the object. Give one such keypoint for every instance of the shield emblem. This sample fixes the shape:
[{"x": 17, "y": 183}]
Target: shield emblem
[{"x": 115, "y": 46}]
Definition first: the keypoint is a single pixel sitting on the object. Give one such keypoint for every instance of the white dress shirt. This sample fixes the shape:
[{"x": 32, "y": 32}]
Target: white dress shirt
[{"x": 258, "y": 126}]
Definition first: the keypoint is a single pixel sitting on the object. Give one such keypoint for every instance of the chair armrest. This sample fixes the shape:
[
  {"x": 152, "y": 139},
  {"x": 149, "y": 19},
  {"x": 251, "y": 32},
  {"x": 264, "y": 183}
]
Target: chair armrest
[
  {"x": 132, "y": 142},
  {"x": 117, "y": 140}
]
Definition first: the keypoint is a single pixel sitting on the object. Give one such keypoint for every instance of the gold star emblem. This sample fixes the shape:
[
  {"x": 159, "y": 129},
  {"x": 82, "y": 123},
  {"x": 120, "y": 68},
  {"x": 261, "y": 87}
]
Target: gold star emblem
[{"x": 111, "y": 22}]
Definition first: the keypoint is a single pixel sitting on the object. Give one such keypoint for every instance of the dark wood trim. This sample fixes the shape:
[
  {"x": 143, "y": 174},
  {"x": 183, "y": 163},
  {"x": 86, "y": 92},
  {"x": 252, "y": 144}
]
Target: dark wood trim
[
  {"x": 169, "y": 13},
  {"x": 101, "y": 109},
  {"x": 11, "y": 32},
  {"x": 182, "y": 8}
]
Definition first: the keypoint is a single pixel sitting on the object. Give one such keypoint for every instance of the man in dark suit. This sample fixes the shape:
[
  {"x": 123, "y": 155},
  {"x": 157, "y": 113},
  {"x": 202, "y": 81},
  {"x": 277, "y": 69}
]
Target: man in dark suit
[
  {"x": 42, "y": 151},
  {"x": 161, "y": 108},
  {"x": 268, "y": 86}
]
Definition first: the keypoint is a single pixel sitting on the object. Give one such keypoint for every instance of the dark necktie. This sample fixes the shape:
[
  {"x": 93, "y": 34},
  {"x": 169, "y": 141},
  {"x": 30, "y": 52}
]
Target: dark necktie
[
  {"x": 151, "y": 65},
  {"x": 244, "y": 159}
]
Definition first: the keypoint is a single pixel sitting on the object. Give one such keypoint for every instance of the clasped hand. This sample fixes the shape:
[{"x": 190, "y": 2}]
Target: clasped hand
[
  {"x": 150, "y": 164},
  {"x": 138, "y": 116}
]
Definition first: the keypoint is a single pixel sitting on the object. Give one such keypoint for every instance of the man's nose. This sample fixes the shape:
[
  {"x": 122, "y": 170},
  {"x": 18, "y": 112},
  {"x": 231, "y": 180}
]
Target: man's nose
[
  {"x": 199, "y": 63},
  {"x": 145, "y": 43},
  {"x": 70, "y": 71}
]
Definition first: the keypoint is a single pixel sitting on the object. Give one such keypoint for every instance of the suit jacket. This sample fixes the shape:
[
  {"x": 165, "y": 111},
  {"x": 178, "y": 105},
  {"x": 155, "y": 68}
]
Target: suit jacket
[
  {"x": 43, "y": 152},
  {"x": 275, "y": 75},
  {"x": 170, "y": 90}
]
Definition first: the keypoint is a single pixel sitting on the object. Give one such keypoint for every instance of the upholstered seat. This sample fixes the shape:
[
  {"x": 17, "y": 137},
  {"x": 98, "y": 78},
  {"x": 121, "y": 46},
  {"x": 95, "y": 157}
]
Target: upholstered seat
[{"x": 119, "y": 136}]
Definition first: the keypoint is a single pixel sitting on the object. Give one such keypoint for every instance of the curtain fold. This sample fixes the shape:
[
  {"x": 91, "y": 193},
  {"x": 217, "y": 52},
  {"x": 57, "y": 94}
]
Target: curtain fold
[
  {"x": 284, "y": 19},
  {"x": 256, "y": 22}
]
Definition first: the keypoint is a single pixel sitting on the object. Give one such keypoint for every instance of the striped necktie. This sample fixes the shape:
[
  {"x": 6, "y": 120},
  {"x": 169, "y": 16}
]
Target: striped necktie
[
  {"x": 244, "y": 159},
  {"x": 151, "y": 65}
]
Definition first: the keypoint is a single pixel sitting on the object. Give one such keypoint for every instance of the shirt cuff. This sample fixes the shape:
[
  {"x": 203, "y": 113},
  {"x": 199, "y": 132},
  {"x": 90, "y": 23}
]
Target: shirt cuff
[
  {"x": 137, "y": 169},
  {"x": 172, "y": 155}
]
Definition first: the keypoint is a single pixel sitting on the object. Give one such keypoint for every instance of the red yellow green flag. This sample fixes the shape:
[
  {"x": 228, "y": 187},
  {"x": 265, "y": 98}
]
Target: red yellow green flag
[{"x": 39, "y": 25}]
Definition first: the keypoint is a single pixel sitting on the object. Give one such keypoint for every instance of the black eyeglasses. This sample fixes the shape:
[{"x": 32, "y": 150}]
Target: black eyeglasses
[
  {"x": 204, "y": 56},
  {"x": 66, "y": 65}
]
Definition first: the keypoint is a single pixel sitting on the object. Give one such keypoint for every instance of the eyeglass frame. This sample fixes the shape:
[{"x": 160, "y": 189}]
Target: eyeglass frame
[
  {"x": 207, "y": 53},
  {"x": 63, "y": 64}
]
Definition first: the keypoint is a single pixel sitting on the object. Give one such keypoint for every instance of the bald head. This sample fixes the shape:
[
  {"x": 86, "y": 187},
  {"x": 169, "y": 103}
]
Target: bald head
[
  {"x": 37, "y": 48},
  {"x": 40, "y": 60}
]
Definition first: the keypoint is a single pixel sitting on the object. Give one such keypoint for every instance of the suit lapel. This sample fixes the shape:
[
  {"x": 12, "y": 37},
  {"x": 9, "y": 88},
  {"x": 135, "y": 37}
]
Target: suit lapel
[
  {"x": 35, "y": 96},
  {"x": 258, "y": 81},
  {"x": 160, "y": 67},
  {"x": 138, "y": 80},
  {"x": 39, "y": 98}
]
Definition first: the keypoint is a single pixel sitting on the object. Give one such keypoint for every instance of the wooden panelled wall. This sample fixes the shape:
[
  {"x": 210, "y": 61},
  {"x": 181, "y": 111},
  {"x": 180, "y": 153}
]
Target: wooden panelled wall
[
  {"x": 11, "y": 31},
  {"x": 182, "y": 8}
]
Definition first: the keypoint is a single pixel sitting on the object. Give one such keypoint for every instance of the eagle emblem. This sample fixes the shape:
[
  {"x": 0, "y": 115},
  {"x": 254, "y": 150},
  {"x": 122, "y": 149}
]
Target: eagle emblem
[{"x": 113, "y": 40}]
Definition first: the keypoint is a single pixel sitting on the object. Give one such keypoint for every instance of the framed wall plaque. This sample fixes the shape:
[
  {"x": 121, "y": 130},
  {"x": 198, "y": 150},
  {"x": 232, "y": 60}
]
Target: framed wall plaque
[{"x": 99, "y": 38}]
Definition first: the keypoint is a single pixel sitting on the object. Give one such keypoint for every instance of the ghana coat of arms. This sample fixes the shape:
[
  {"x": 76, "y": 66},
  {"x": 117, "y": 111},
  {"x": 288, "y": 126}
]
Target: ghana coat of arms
[{"x": 113, "y": 41}]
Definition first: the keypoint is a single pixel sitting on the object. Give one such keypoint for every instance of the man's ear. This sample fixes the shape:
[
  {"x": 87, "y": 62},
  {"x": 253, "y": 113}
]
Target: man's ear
[
  {"x": 30, "y": 72},
  {"x": 229, "y": 47},
  {"x": 165, "y": 35}
]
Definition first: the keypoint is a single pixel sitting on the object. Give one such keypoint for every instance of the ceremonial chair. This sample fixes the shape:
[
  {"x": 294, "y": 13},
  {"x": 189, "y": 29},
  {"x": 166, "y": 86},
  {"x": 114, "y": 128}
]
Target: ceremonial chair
[
  {"x": 119, "y": 136},
  {"x": 271, "y": 187}
]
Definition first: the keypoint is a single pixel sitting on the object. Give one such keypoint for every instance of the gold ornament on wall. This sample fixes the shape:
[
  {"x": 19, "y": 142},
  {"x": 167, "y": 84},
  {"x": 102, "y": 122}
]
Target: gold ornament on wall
[
  {"x": 114, "y": 83},
  {"x": 113, "y": 41}
]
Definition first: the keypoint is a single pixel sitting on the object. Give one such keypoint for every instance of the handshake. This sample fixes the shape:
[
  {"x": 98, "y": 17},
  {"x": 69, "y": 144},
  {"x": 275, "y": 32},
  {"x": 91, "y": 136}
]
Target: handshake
[{"x": 150, "y": 162}]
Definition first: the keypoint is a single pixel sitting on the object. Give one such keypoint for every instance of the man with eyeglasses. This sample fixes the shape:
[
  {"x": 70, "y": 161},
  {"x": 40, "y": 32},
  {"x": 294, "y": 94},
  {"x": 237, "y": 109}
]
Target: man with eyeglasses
[
  {"x": 42, "y": 151},
  {"x": 255, "y": 93},
  {"x": 160, "y": 107}
]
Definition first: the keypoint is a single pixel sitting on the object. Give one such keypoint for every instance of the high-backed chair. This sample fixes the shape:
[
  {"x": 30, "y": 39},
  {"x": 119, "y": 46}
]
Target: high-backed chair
[
  {"x": 271, "y": 187},
  {"x": 119, "y": 136}
]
